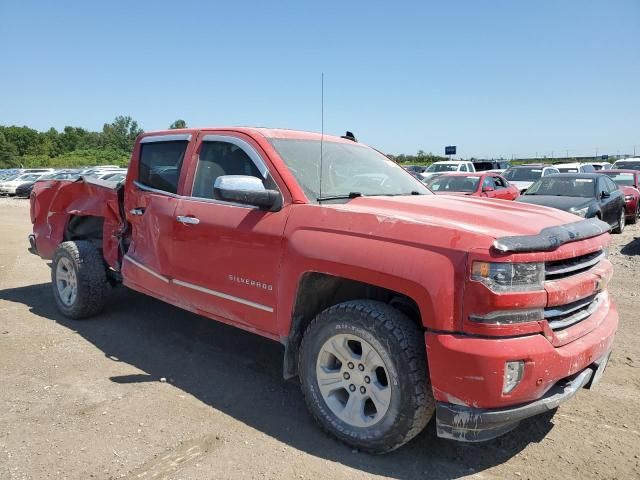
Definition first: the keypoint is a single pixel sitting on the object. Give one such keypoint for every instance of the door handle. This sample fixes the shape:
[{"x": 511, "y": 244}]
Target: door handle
[
  {"x": 188, "y": 220},
  {"x": 136, "y": 211}
]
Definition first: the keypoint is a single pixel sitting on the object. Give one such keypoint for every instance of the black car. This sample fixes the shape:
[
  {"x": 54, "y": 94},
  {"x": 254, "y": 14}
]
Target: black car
[
  {"x": 483, "y": 165},
  {"x": 25, "y": 189},
  {"x": 585, "y": 194}
]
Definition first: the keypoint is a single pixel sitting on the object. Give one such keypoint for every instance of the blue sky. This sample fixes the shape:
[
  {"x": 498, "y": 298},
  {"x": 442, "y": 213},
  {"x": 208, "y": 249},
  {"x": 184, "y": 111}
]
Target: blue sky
[{"x": 494, "y": 77}]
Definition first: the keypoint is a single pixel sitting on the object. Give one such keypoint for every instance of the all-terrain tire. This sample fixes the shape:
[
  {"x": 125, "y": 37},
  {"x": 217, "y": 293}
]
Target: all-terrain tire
[
  {"x": 399, "y": 344},
  {"x": 89, "y": 277}
]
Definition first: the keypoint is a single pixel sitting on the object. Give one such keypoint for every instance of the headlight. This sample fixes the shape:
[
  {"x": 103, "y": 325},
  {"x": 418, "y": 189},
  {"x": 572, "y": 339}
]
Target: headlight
[
  {"x": 581, "y": 212},
  {"x": 509, "y": 277},
  {"x": 628, "y": 198}
]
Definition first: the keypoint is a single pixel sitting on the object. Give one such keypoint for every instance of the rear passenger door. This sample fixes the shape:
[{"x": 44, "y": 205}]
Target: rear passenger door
[
  {"x": 153, "y": 185},
  {"x": 227, "y": 255}
]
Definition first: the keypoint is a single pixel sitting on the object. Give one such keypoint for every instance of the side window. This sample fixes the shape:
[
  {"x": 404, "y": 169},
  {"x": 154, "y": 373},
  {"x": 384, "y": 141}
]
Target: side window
[
  {"x": 611, "y": 186},
  {"x": 499, "y": 182},
  {"x": 464, "y": 168},
  {"x": 488, "y": 182},
  {"x": 160, "y": 164},
  {"x": 220, "y": 158}
]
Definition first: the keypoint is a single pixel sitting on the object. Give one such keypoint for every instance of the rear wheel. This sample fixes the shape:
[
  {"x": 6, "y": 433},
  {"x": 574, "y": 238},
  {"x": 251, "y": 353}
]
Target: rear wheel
[
  {"x": 622, "y": 218},
  {"x": 79, "y": 279},
  {"x": 364, "y": 377}
]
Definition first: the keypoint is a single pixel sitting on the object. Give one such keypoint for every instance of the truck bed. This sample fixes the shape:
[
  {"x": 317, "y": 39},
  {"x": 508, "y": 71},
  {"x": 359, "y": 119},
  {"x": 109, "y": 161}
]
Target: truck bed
[{"x": 83, "y": 209}]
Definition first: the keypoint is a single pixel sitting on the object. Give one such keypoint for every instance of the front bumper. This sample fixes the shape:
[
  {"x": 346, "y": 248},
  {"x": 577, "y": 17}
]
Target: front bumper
[
  {"x": 466, "y": 424},
  {"x": 467, "y": 376}
]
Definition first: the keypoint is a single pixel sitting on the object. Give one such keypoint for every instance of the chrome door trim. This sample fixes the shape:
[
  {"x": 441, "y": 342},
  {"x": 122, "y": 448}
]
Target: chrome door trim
[
  {"x": 147, "y": 269},
  {"x": 198, "y": 288},
  {"x": 226, "y": 296}
]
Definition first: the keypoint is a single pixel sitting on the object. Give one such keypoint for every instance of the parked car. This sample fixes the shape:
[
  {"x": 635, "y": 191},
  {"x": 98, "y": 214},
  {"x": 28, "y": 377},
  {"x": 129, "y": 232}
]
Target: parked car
[
  {"x": 393, "y": 304},
  {"x": 8, "y": 187},
  {"x": 492, "y": 165},
  {"x": 479, "y": 184},
  {"x": 25, "y": 189},
  {"x": 438, "y": 168},
  {"x": 629, "y": 182},
  {"x": 584, "y": 194},
  {"x": 601, "y": 166},
  {"x": 523, "y": 176},
  {"x": 415, "y": 168},
  {"x": 632, "y": 163},
  {"x": 575, "y": 167}
]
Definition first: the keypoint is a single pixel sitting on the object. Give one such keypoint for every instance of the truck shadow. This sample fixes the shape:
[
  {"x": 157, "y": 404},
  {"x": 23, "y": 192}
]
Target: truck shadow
[{"x": 240, "y": 374}]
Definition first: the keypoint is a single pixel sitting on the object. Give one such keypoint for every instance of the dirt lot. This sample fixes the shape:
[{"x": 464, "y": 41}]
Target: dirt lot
[{"x": 149, "y": 391}]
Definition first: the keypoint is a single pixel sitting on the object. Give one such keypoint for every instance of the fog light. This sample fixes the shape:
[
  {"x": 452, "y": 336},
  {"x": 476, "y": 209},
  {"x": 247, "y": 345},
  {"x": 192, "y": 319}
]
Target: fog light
[{"x": 512, "y": 375}]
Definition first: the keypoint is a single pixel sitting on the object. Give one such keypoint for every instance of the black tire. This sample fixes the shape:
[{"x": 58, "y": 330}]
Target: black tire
[
  {"x": 622, "y": 220},
  {"x": 91, "y": 279},
  {"x": 400, "y": 345},
  {"x": 634, "y": 218}
]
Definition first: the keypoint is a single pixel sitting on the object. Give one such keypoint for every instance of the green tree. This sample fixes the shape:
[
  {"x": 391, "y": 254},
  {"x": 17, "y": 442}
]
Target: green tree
[
  {"x": 121, "y": 133},
  {"x": 178, "y": 124},
  {"x": 8, "y": 154}
]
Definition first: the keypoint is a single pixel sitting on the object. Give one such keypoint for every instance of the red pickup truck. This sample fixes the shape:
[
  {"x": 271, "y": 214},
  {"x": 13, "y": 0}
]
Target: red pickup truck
[{"x": 393, "y": 304}]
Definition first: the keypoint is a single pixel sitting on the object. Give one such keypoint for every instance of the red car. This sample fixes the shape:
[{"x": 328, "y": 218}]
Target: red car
[
  {"x": 628, "y": 181},
  {"x": 481, "y": 184},
  {"x": 393, "y": 304}
]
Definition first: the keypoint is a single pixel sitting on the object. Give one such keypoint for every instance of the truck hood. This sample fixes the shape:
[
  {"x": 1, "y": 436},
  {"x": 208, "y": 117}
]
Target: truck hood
[{"x": 481, "y": 216}]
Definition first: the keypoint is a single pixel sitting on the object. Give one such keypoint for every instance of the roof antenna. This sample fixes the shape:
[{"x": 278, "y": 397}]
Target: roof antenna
[{"x": 321, "y": 128}]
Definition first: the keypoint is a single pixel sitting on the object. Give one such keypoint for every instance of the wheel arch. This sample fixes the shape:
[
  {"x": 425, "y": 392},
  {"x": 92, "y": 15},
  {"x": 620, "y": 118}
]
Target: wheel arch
[{"x": 317, "y": 291}]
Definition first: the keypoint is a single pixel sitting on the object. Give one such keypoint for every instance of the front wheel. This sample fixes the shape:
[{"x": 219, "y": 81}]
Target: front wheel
[
  {"x": 364, "y": 377},
  {"x": 622, "y": 218},
  {"x": 79, "y": 279},
  {"x": 634, "y": 219}
]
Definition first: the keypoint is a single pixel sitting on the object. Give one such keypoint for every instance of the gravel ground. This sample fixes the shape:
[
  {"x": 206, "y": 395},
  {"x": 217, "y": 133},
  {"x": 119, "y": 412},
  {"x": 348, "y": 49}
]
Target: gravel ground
[{"x": 146, "y": 390}]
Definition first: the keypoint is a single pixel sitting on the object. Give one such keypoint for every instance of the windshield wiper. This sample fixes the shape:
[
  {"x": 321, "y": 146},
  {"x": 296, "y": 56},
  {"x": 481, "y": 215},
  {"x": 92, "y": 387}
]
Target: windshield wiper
[{"x": 340, "y": 197}]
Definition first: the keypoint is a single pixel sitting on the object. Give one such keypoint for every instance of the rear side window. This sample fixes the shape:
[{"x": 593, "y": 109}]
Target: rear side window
[{"x": 160, "y": 164}]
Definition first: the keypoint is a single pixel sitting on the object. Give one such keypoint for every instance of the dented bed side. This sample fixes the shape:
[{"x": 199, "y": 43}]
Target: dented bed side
[{"x": 55, "y": 203}]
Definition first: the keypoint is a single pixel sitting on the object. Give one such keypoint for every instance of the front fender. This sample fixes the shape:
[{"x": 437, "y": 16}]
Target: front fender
[{"x": 429, "y": 277}]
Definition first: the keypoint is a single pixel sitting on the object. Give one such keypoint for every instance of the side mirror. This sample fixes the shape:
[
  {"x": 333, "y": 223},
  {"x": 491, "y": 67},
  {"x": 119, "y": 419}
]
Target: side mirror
[
  {"x": 246, "y": 190},
  {"x": 604, "y": 194},
  {"x": 488, "y": 189}
]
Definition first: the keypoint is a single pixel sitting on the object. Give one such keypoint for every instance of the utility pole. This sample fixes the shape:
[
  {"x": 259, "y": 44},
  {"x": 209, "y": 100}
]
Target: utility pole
[{"x": 567, "y": 154}]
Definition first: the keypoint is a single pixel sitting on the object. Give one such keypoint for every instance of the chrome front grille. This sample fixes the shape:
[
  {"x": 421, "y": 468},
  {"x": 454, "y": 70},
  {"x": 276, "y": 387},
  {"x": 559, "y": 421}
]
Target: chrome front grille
[
  {"x": 557, "y": 269},
  {"x": 564, "y": 316}
]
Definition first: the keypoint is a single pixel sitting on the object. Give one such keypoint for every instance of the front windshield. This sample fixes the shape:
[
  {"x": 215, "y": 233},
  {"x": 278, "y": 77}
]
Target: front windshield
[
  {"x": 563, "y": 187},
  {"x": 523, "y": 174},
  {"x": 347, "y": 168},
  {"x": 443, "y": 167},
  {"x": 628, "y": 165},
  {"x": 625, "y": 179},
  {"x": 454, "y": 183}
]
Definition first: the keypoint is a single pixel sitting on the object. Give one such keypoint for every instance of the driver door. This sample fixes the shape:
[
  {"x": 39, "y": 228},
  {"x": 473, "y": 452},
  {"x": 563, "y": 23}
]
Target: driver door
[{"x": 227, "y": 255}]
